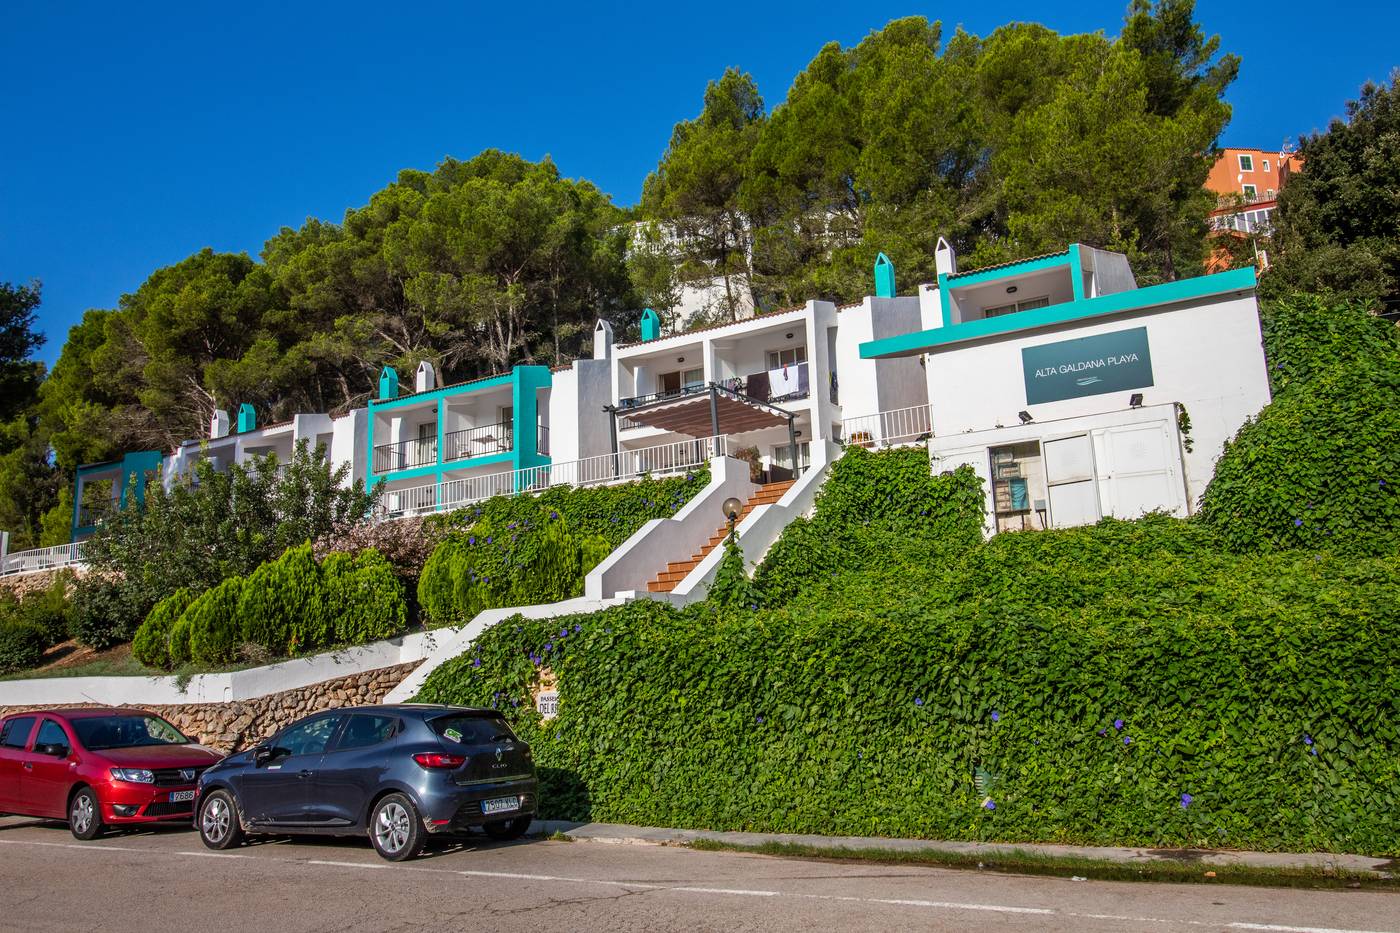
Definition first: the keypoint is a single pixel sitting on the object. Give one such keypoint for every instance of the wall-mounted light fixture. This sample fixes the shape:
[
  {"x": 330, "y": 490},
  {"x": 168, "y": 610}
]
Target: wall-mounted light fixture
[
  {"x": 1011, "y": 289},
  {"x": 1135, "y": 400},
  {"x": 788, "y": 335},
  {"x": 1025, "y": 417},
  {"x": 680, "y": 359}
]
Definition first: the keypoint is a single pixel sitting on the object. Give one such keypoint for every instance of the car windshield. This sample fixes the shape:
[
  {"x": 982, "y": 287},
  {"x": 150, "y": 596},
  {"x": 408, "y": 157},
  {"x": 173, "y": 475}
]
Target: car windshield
[
  {"x": 472, "y": 730},
  {"x": 104, "y": 732}
]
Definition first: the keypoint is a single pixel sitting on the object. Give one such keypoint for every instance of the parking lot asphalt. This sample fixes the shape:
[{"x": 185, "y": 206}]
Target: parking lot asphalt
[{"x": 166, "y": 880}]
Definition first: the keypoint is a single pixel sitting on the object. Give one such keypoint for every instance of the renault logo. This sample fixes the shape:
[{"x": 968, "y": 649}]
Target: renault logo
[{"x": 498, "y": 753}]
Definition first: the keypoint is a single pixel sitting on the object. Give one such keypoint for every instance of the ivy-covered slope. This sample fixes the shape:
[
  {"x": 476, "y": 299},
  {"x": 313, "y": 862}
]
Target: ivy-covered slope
[
  {"x": 524, "y": 550},
  {"x": 1131, "y": 683}
]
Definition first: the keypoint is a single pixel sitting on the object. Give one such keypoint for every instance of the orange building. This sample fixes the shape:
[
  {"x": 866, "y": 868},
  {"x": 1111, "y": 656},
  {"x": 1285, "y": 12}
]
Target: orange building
[{"x": 1246, "y": 183}]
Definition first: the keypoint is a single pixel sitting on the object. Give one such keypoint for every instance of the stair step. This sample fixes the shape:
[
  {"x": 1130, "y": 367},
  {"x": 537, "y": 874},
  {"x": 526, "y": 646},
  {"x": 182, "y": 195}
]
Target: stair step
[{"x": 676, "y": 571}]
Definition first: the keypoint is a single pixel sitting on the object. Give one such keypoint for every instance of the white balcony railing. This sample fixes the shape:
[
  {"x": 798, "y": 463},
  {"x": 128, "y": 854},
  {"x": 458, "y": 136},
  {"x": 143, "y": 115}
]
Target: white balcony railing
[
  {"x": 888, "y": 428},
  {"x": 661, "y": 460},
  {"x": 44, "y": 558}
]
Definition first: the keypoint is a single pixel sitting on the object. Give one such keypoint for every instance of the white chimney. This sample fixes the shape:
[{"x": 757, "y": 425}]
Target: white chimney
[
  {"x": 602, "y": 340},
  {"x": 944, "y": 259},
  {"x": 426, "y": 378},
  {"x": 218, "y": 425}
]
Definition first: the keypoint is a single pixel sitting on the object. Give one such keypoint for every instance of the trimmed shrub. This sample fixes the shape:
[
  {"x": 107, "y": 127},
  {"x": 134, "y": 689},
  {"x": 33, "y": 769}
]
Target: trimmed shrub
[
  {"x": 215, "y": 635},
  {"x": 151, "y": 644},
  {"x": 283, "y": 607},
  {"x": 51, "y": 608},
  {"x": 526, "y": 550},
  {"x": 22, "y": 644},
  {"x": 179, "y": 643},
  {"x": 364, "y": 597}
]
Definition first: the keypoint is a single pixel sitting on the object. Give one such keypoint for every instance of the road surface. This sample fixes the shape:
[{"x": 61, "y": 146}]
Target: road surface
[{"x": 166, "y": 880}]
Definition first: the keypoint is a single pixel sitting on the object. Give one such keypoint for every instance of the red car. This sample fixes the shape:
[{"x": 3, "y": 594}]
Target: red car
[{"x": 98, "y": 767}]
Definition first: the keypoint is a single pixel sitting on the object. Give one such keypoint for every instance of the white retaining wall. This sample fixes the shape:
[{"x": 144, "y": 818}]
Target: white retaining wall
[
  {"x": 763, "y": 526},
  {"x": 663, "y": 540}
]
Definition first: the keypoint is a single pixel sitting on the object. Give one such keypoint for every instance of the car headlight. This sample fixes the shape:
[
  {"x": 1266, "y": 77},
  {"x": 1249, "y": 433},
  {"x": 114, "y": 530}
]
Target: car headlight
[{"x": 133, "y": 775}]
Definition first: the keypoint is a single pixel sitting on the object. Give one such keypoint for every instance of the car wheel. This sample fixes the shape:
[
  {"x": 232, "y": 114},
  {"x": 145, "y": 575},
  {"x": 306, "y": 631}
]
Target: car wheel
[
  {"x": 506, "y": 830},
  {"x": 84, "y": 815},
  {"x": 219, "y": 827},
  {"x": 395, "y": 829}
]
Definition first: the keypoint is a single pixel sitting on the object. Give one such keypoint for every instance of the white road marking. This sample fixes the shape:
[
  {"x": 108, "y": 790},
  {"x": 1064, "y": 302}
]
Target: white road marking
[
  {"x": 1277, "y": 928},
  {"x": 732, "y": 892}
]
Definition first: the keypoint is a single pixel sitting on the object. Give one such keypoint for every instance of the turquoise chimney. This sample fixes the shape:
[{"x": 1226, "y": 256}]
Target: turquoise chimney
[
  {"x": 388, "y": 383},
  {"x": 651, "y": 325},
  {"x": 884, "y": 277},
  {"x": 247, "y": 418}
]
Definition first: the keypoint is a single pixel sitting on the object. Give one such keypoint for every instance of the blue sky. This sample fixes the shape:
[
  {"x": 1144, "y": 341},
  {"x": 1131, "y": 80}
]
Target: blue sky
[{"x": 136, "y": 134}]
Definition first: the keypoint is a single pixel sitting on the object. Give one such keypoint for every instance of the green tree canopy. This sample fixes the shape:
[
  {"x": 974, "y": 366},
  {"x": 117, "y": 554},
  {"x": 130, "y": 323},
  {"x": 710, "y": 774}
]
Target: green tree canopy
[{"x": 1337, "y": 228}]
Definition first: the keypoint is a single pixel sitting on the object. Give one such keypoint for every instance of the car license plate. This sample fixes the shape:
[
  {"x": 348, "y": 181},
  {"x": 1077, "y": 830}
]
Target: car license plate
[
  {"x": 181, "y": 796},
  {"x": 500, "y": 805}
]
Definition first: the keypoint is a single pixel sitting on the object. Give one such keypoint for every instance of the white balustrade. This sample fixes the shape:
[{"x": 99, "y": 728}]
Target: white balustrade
[
  {"x": 888, "y": 428},
  {"x": 44, "y": 558}
]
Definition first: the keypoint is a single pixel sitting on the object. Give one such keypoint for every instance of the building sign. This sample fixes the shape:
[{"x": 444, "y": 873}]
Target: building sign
[
  {"x": 547, "y": 702},
  {"x": 1087, "y": 366}
]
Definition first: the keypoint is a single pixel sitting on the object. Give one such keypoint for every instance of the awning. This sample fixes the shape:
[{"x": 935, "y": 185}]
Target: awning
[{"x": 692, "y": 415}]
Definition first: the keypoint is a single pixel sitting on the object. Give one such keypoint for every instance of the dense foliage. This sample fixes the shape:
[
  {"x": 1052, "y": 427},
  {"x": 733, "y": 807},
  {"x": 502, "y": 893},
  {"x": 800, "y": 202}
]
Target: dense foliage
[
  {"x": 1320, "y": 466},
  {"x": 1337, "y": 227},
  {"x": 1128, "y": 683},
  {"x": 1011, "y": 145},
  {"x": 286, "y": 607},
  {"x": 220, "y": 524},
  {"x": 30, "y": 625},
  {"x": 524, "y": 550}
]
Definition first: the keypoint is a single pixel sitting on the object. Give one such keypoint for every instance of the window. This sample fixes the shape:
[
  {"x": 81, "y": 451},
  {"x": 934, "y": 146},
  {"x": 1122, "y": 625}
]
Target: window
[
  {"x": 472, "y": 730},
  {"x": 1246, "y": 163},
  {"x": 134, "y": 731},
  {"x": 1250, "y": 192},
  {"x": 1015, "y": 306},
  {"x": 777, "y": 359},
  {"x": 51, "y": 733},
  {"x": 693, "y": 378},
  {"x": 15, "y": 732},
  {"x": 1270, "y": 194},
  {"x": 782, "y": 456},
  {"x": 362, "y": 731},
  {"x": 1266, "y": 165},
  {"x": 309, "y": 738}
]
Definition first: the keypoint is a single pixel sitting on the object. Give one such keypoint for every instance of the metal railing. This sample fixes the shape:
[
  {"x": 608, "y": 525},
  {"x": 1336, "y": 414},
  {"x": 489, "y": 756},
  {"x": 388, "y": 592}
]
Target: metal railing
[
  {"x": 888, "y": 428},
  {"x": 479, "y": 441},
  {"x": 44, "y": 558},
  {"x": 405, "y": 455},
  {"x": 662, "y": 459}
]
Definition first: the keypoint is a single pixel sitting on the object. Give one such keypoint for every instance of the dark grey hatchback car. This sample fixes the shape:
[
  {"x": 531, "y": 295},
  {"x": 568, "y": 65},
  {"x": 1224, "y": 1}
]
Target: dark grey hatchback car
[{"x": 397, "y": 773}]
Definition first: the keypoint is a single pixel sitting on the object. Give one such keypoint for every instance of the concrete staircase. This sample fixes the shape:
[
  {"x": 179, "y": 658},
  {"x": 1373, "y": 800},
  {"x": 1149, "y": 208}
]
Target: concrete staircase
[{"x": 676, "y": 571}]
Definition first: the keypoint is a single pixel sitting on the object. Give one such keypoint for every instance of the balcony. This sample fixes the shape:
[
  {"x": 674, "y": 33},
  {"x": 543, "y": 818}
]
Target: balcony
[
  {"x": 784, "y": 384},
  {"x": 406, "y": 455},
  {"x": 480, "y": 441}
]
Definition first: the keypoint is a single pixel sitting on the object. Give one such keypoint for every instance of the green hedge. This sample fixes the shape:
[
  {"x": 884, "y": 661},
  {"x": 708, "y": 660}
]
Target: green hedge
[
  {"x": 524, "y": 550},
  {"x": 1320, "y": 467},
  {"x": 1129, "y": 683},
  {"x": 288, "y": 606}
]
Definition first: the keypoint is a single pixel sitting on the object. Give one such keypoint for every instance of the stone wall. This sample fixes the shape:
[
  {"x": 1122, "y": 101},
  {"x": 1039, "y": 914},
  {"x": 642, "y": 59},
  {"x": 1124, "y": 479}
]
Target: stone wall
[
  {"x": 24, "y": 585},
  {"x": 231, "y": 727}
]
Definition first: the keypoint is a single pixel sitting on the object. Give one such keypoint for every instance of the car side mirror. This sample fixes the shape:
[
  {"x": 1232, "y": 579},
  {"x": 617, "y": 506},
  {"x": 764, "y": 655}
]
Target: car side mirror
[
  {"x": 261, "y": 755},
  {"x": 52, "y": 748}
]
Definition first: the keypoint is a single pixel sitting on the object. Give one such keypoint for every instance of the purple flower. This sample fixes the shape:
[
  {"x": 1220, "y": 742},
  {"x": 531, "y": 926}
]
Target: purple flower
[
  {"x": 1297, "y": 523},
  {"x": 1313, "y": 750},
  {"x": 1103, "y": 732},
  {"x": 996, "y": 717},
  {"x": 548, "y": 647},
  {"x": 1127, "y": 740},
  {"x": 563, "y": 632},
  {"x": 1118, "y": 724},
  {"x": 476, "y": 662},
  {"x": 577, "y": 628},
  {"x": 1186, "y": 800},
  {"x": 488, "y": 539},
  {"x": 989, "y": 804},
  {"x": 511, "y": 525},
  {"x": 553, "y": 515},
  {"x": 1307, "y": 740},
  {"x": 472, "y": 539},
  {"x": 918, "y": 701},
  {"x": 760, "y": 719}
]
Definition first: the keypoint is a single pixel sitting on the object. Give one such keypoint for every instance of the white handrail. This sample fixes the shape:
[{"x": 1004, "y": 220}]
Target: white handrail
[
  {"x": 662, "y": 459},
  {"x": 43, "y": 558},
  {"x": 888, "y": 428}
]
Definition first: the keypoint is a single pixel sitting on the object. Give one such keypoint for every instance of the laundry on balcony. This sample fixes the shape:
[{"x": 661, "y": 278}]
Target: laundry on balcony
[{"x": 787, "y": 382}]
